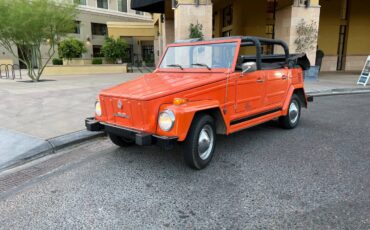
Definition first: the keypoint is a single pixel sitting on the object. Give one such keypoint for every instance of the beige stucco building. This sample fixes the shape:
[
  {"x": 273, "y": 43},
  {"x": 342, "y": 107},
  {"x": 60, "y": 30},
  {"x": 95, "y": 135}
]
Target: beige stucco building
[
  {"x": 92, "y": 26},
  {"x": 343, "y": 25}
]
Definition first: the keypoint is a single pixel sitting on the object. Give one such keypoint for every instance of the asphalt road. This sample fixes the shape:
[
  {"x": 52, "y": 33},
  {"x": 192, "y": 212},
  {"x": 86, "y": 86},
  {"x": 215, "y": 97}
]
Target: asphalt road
[{"x": 316, "y": 176}]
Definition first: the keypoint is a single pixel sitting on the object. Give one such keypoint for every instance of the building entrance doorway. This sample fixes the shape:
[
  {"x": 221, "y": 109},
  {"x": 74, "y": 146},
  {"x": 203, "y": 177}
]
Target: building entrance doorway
[{"x": 147, "y": 52}]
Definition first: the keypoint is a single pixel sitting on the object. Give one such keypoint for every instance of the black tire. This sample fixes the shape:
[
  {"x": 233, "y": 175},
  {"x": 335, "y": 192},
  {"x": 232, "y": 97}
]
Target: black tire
[
  {"x": 120, "y": 141},
  {"x": 194, "y": 155},
  {"x": 291, "y": 120}
]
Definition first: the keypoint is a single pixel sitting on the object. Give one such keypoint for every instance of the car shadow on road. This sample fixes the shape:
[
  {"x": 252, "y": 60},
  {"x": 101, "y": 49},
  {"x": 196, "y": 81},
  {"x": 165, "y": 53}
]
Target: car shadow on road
[{"x": 228, "y": 149}]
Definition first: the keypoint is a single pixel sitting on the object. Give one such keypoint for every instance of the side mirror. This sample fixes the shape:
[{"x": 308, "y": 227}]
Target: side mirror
[{"x": 249, "y": 67}]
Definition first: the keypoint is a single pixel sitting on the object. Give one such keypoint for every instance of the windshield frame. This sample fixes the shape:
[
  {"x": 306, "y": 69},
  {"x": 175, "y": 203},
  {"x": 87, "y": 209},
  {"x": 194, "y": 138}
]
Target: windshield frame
[{"x": 237, "y": 41}]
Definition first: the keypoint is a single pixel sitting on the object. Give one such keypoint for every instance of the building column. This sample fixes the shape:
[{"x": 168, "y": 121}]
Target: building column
[
  {"x": 287, "y": 19},
  {"x": 169, "y": 31},
  {"x": 192, "y": 11}
]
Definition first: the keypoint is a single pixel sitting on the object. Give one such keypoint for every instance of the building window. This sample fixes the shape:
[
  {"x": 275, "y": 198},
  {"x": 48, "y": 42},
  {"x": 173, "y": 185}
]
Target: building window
[
  {"x": 122, "y": 5},
  {"x": 102, "y": 4},
  {"x": 270, "y": 33},
  {"x": 80, "y": 2},
  {"x": 98, "y": 29},
  {"x": 271, "y": 9},
  {"x": 147, "y": 53},
  {"x": 271, "y": 6},
  {"x": 227, "y": 16},
  {"x": 270, "y": 29},
  {"x": 77, "y": 27}
]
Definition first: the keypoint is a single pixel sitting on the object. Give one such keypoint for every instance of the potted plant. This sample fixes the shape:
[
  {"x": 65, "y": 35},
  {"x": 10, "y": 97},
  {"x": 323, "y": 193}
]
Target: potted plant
[
  {"x": 195, "y": 31},
  {"x": 71, "y": 48},
  {"x": 114, "y": 50}
]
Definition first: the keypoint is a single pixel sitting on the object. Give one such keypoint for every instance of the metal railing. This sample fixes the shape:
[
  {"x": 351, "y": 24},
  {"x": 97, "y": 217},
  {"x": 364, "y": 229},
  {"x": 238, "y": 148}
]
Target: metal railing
[{"x": 8, "y": 71}]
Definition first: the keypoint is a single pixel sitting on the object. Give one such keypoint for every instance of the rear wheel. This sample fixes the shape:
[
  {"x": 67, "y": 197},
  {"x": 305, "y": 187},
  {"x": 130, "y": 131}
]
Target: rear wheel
[
  {"x": 120, "y": 141},
  {"x": 291, "y": 120},
  {"x": 199, "y": 146}
]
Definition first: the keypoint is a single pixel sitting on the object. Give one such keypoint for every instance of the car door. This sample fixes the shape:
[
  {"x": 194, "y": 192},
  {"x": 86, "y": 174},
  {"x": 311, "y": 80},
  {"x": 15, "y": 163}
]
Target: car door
[
  {"x": 250, "y": 92},
  {"x": 277, "y": 83}
]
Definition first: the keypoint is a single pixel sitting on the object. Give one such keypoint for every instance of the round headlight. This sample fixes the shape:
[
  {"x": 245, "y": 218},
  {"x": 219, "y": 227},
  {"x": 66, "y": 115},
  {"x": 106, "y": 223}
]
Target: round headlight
[
  {"x": 98, "y": 108},
  {"x": 166, "y": 120}
]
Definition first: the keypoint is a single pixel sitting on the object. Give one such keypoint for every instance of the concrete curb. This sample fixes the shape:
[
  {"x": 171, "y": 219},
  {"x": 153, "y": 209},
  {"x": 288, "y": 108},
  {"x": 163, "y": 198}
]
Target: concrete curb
[
  {"x": 50, "y": 146},
  {"x": 338, "y": 92},
  {"x": 69, "y": 139}
]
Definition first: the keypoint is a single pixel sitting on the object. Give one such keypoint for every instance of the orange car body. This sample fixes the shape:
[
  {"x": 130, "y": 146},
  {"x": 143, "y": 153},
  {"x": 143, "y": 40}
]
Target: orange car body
[{"x": 236, "y": 100}]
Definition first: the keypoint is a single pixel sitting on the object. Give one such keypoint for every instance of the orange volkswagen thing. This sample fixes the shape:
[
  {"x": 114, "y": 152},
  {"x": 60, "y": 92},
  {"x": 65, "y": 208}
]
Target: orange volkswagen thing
[{"x": 201, "y": 89}]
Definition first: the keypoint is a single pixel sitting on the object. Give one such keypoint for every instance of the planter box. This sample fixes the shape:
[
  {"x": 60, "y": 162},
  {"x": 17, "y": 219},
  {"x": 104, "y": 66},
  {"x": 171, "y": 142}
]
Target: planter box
[
  {"x": 84, "y": 69},
  {"x": 312, "y": 74},
  {"x": 77, "y": 61}
]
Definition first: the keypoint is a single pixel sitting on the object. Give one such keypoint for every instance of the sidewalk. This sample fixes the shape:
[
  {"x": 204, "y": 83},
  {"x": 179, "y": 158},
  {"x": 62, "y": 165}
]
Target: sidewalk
[
  {"x": 36, "y": 116},
  {"x": 41, "y": 117},
  {"x": 337, "y": 81}
]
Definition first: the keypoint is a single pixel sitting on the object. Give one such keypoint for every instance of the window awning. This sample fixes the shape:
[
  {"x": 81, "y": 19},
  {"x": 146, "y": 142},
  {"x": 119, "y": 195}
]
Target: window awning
[{"x": 150, "y": 6}]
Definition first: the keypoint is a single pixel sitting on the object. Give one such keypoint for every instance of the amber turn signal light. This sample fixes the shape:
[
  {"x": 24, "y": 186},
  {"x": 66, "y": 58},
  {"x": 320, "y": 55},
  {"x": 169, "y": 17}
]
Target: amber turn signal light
[{"x": 179, "y": 101}]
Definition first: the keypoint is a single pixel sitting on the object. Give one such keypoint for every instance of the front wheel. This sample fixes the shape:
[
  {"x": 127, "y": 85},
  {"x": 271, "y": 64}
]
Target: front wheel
[
  {"x": 200, "y": 142},
  {"x": 291, "y": 120}
]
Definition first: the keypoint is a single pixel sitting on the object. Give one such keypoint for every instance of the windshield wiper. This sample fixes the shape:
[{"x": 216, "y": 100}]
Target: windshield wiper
[
  {"x": 201, "y": 64},
  {"x": 176, "y": 65}
]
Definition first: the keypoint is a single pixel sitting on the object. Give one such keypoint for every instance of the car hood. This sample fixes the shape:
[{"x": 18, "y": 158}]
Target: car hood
[{"x": 155, "y": 85}]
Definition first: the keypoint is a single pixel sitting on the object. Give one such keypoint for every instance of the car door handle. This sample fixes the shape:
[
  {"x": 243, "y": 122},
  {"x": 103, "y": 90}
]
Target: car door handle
[
  {"x": 284, "y": 77},
  {"x": 260, "y": 80}
]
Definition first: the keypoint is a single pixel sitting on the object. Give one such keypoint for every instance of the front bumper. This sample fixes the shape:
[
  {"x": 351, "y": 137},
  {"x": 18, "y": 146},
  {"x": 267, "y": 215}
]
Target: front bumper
[{"x": 141, "y": 138}]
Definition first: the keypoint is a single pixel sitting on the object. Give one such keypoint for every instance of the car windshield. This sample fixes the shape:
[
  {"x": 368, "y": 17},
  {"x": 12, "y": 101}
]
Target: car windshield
[{"x": 220, "y": 55}]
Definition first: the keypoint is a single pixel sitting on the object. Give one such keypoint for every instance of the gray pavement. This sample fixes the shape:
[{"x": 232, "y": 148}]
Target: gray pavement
[
  {"x": 313, "y": 177},
  {"x": 34, "y": 113}
]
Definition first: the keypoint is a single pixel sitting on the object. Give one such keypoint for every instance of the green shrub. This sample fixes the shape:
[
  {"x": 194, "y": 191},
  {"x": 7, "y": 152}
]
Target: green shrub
[
  {"x": 71, "y": 48},
  {"x": 114, "y": 49},
  {"x": 195, "y": 31},
  {"x": 57, "y": 61},
  {"x": 97, "y": 61}
]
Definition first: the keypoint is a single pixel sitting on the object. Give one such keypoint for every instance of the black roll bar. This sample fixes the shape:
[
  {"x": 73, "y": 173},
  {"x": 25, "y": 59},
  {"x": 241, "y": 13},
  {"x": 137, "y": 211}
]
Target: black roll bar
[{"x": 258, "y": 42}]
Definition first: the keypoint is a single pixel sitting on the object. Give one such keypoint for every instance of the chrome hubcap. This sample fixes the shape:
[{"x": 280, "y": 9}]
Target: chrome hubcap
[
  {"x": 205, "y": 142},
  {"x": 293, "y": 112}
]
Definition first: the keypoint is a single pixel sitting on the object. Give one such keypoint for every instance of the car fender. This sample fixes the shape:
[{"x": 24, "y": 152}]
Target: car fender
[
  {"x": 291, "y": 91},
  {"x": 184, "y": 116}
]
